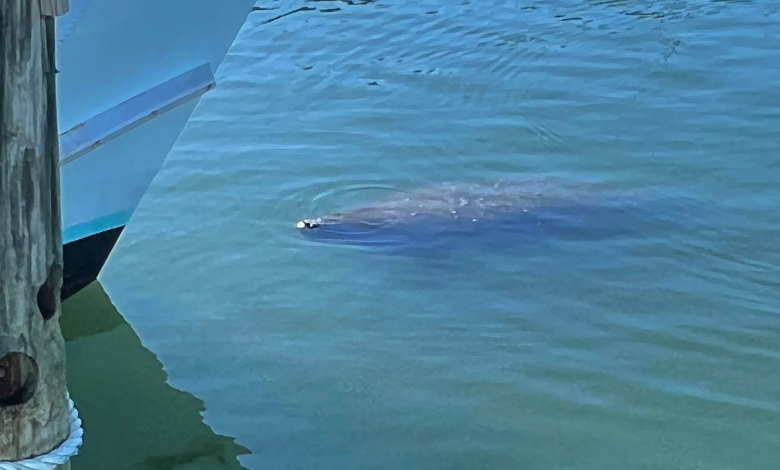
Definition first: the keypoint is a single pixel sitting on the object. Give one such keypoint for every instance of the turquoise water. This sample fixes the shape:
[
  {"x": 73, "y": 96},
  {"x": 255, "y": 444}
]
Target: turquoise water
[{"x": 659, "y": 350}]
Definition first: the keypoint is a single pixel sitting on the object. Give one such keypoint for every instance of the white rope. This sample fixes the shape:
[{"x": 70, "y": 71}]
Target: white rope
[{"x": 58, "y": 456}]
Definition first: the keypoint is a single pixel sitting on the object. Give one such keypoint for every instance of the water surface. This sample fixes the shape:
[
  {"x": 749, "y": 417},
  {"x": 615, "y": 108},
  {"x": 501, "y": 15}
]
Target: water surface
[
  {"x": 132, "y": 419},
  {"x": 657, "y": 351}
]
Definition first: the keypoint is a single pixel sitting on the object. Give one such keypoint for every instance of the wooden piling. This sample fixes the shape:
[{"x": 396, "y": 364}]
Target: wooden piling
[{"x": 34, "y": 415}]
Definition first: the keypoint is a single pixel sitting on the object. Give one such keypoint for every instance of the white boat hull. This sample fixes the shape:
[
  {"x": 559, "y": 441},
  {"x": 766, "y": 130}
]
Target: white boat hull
[{"x": 130, "y": 75}]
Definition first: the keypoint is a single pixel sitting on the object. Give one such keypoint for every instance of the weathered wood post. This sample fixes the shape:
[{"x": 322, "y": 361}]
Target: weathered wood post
[{"x": 34, "y": 406}]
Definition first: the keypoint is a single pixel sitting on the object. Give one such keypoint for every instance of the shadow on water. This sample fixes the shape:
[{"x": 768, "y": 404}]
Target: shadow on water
[{"x": 132, "y": 418}]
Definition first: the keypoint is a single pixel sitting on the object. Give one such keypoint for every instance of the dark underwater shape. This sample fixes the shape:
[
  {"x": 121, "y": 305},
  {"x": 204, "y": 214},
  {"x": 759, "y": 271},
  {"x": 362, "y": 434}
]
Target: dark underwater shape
[{"x": 498, "y": 215}]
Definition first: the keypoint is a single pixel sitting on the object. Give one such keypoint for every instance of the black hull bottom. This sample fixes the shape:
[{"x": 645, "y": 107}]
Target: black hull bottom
[{"x": 84, "y": 258}]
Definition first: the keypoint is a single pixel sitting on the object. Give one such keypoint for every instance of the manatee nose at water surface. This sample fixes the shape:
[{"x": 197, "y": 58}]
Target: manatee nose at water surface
[{"x": 355, "y": 232}]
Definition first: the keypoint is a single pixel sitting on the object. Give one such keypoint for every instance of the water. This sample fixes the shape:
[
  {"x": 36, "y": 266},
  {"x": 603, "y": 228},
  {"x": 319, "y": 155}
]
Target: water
[
  {"x": 656, "y": 351},
  {"x": 132, "y": 419}
]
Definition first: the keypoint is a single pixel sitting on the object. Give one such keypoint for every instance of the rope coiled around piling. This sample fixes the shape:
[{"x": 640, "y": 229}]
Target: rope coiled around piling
[{"x": 58, "y": 456}]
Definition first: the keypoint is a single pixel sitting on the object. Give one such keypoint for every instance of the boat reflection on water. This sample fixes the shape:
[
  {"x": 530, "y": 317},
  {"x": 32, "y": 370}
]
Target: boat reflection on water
[{"x": 132, "y": 418}]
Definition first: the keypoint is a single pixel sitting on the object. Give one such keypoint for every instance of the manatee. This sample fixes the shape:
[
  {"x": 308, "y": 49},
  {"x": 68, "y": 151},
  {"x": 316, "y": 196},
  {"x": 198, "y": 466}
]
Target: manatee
[{"x": 493, "y": 213}]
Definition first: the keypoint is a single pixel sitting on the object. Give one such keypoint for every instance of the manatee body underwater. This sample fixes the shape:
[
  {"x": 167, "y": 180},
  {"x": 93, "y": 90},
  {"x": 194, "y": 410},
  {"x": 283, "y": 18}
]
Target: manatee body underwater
[{"x": 496, "y": 214}]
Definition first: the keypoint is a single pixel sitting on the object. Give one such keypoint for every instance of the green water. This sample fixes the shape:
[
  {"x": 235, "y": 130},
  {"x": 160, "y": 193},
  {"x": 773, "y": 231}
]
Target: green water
[
  {"x": 658, "y": 351},
  {"x": 132, "y": 419}
]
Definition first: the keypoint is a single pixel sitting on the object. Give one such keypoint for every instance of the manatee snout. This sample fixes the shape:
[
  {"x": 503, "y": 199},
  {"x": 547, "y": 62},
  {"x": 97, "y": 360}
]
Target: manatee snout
[
  {"x": 347, "y": 231},
  {"x": 309, "y": 223}
]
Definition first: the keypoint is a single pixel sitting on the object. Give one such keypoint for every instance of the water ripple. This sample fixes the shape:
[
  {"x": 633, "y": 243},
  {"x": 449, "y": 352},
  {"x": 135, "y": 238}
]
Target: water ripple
[{"x": 657, "y": 350}]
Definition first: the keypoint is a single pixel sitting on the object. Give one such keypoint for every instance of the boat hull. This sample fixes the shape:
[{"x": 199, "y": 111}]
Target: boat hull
[
  {"x": 84, "y": 259},
  {"x": 130, "y": 76}
]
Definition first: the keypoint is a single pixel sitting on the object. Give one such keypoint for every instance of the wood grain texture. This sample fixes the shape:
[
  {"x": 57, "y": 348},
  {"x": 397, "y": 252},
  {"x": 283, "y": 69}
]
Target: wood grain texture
[
  {"x": 54, "y": 7},
  {"x": 33, "y": 402}
]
